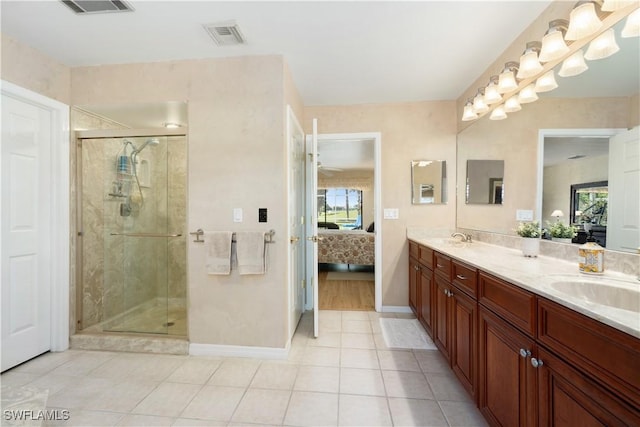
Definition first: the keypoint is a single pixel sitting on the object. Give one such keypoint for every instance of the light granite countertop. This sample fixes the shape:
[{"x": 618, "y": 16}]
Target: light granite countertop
[{"x": 540, "y": 276}]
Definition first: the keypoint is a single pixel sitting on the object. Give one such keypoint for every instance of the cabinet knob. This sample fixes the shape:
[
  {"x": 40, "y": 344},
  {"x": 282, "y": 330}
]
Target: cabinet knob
[
  {"x": 416, "y": 268},
  {"x": 525, "y": 353},
  {"x": 536, "y": 363}
]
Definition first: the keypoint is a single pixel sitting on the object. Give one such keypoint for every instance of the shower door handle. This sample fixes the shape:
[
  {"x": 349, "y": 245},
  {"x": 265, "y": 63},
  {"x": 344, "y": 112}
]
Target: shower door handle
[{"x": 145, "y": 235}]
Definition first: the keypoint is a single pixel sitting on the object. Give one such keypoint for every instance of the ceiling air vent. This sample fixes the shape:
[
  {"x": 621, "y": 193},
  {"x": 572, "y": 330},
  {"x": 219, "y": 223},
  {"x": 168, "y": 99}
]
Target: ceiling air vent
[
  {"x": 225, "y": 33},
  {"x": 82, "y": 7}
]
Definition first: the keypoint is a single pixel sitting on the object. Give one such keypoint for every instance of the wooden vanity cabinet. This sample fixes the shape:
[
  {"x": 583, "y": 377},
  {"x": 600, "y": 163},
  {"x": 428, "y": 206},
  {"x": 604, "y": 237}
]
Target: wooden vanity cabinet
[
  {"x": 421, "y": 284},
  {"x": 414, "y": 277}
]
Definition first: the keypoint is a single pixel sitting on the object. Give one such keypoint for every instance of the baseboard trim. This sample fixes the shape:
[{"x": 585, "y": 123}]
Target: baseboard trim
[
  {"x": 396, "y": 309},
  {"x": 238, "y": 351}
]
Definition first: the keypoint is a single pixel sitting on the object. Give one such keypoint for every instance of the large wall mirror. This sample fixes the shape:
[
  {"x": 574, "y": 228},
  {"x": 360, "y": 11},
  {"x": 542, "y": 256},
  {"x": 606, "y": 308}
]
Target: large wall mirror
[
  {"x": 582, "y": 114},
  {"x": 428, "y": 182}
]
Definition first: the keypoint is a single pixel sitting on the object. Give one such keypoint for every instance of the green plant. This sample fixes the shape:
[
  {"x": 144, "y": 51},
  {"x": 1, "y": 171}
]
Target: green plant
[
  {"x": 529, "y": 229},
  {"x": 560, "y": 230}
]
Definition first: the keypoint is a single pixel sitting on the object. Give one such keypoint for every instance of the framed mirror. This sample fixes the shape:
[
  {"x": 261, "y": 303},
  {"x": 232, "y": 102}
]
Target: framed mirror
[
  {"x": 428, "y": 182},
  {"x": 485, "y": 182}
]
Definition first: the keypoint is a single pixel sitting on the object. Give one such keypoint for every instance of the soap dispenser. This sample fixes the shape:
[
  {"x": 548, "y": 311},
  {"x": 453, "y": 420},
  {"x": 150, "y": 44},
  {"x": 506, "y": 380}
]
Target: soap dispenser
[{"x": 591, "y": 256}]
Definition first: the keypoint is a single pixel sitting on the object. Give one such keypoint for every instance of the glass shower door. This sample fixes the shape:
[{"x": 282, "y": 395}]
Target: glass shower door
[{"x": 136, "y": 236}]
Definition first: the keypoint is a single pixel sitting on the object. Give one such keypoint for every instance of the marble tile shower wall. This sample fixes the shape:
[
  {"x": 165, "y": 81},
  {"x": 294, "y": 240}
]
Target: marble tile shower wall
[{"x": 123, "y": 273}]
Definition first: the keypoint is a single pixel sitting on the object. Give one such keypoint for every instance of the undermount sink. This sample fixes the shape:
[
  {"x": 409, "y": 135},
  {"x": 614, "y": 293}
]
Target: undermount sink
[
  {"x": 616, "y": 293},
  {"x": 449, "y": 241}
]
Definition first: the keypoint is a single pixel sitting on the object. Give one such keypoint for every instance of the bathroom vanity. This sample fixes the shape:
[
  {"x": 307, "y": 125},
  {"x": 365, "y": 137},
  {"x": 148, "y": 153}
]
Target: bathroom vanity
[{"x": 532, "y": 341}]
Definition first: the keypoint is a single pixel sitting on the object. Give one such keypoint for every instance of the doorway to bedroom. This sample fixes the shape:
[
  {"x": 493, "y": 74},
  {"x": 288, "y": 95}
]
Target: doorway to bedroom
[{"x": 346, "y": 203}]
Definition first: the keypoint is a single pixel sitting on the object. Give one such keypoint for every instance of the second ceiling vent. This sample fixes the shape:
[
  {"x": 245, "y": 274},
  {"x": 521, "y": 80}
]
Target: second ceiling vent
[{"x": 225, "y": 33}]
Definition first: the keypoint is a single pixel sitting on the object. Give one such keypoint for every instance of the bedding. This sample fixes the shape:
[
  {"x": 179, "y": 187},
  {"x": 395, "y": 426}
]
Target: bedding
[{"x": 346, "y": 247}]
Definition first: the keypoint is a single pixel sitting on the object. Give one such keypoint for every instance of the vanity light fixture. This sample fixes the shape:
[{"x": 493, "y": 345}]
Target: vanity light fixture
[
  {"x": 512, "y": 105},
  {"x": 491, "y": 93},
  {"x": 611, "y": 5},
  {"x": 553, "y": 45},
  {"x": 632, "y": 25},
  {"x": 546, "y": 82},
  {"x": 498, "y": 113},
  {"x": 479, "y": 104},
  {"x": 573, "y": 65},
  {"x": 528, "y": 94},
  {"x": 529, "y": 62},
  {"x": 583, "y": 21},
  {"x": 468, "y": 113},
  {"x": 507, "y": 79},
  {"x": 602, "y": 46}
]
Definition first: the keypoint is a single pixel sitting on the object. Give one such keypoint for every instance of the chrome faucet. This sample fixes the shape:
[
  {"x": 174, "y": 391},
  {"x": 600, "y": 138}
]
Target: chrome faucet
[{"x": 465, "y": 237}]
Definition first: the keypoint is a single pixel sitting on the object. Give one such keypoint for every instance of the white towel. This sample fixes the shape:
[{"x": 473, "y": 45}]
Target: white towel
[
  {"x": 218, "y": 259},
  {"x": 251, "y": 252}
]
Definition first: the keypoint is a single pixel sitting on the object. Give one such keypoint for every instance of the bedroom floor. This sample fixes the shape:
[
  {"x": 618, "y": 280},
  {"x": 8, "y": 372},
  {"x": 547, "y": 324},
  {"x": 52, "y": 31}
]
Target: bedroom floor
[{"x": 347, "y": 294}]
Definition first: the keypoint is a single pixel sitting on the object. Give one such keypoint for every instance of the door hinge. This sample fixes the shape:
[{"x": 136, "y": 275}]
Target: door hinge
[
  {"x": 311, "y": 157},
  {"x": 304, "y": 283}
]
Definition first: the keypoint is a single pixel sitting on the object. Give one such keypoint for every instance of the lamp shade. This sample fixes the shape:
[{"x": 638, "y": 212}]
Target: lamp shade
[
  {"x": 557, "y": 213},
  {"x": 479, "y": 105},
  {"x": 553, "y": 46},
  {"x": 632, "y": 25},
  {"x": 612, "y": 5},
  {"x": 573, "y": 65},
  {"x": 491, "y": 93},
  {"x": 529, "y": 64},
  {"x": 507, "y": 81},
  {"x": 546, "y": 82},
  {"x": 498, "y": 113},
  {"x": 527, "y": 95},
  {"x": 468, "y": 114},
  {"x": 583, "y": 21},
  {"x": 512, "y": 105},
  {"x": 602, "y": 46}
]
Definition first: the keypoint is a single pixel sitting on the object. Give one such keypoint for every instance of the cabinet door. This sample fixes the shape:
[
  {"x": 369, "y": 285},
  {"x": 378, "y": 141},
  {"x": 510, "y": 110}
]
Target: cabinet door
[
  {"x": 464, "y": 339},
  {"x": 568, "y": 398},
  {"x": 507, "y": 380},
  {"x": 441, "y": 315},
  {"x": 414, "y": 275},
  {"x": 426, "y": 289}
]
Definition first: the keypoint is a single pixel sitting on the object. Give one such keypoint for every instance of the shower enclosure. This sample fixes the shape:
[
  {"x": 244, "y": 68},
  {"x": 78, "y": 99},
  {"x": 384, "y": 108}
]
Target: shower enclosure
[{"x": 132, "y": 244}]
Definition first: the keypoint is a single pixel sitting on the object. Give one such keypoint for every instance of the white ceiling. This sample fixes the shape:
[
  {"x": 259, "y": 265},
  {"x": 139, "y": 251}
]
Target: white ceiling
[
  {"x": 339, "y": 52},
  {"x": 558, "y": 149}
]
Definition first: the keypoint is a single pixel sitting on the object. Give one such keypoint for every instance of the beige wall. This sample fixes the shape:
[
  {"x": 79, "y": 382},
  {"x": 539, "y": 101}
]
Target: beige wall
[
  {"x": 515, "y": 141},
  {"x": 410, "y": 131},
  {"x": 236, "y": 123}
]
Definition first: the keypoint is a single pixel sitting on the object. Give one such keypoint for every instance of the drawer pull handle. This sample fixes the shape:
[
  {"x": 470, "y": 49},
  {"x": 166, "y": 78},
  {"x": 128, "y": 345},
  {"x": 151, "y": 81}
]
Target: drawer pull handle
[
  {"x": 536, "y": 363},
  {"x": 439, "y": 265},
  {"x": 461, "y": 277},
  {"x": 525, "y": 353}
]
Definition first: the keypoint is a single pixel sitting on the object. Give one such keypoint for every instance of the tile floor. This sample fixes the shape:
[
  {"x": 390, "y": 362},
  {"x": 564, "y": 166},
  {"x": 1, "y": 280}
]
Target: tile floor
[{"x": 346, "y": 377}]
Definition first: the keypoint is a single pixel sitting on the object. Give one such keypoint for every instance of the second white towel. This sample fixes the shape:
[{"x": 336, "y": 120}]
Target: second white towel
[{"x": 251, "y": 252}]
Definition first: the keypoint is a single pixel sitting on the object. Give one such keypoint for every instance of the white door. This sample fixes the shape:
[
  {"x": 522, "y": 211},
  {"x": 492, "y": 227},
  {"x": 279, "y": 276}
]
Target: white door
[
  {"x": 295, "y": 137},
  {"x": 26, "y": 230},
  {"x": 312, "y": 225},
  {"x": 623, "y": 225}
]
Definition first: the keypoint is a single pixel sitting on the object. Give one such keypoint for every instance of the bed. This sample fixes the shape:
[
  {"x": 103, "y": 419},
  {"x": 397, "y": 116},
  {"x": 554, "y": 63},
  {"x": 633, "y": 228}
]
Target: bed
[{"x": 346, "y": 247}]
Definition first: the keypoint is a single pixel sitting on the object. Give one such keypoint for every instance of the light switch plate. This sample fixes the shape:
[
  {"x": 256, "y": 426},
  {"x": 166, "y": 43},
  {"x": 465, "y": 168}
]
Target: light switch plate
[
  {"x": 237, "y": 214},
  {"x": 391, "y": 213},
  {"x": 524, "y": 215}
]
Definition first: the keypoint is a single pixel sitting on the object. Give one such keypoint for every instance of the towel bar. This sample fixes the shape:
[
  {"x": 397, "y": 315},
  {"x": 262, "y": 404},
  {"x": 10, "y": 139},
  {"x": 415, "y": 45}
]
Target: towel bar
[{"x": 268, "y": 238}]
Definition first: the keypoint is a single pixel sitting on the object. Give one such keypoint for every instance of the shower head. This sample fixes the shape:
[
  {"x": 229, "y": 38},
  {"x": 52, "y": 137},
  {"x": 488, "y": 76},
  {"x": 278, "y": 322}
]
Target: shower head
[{"x": 151, "y": 141}]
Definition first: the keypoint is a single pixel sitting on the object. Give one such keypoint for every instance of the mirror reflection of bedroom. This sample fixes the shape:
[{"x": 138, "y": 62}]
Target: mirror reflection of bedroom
[{"x": 346, "y": 250}]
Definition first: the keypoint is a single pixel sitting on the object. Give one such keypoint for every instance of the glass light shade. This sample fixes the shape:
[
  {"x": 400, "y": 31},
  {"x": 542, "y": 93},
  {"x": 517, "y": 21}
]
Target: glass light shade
[
  {"x": 528, "y": 94},
  {"x": 573, "y": 65},
  {"x": 546, "y": 82},
  {"x": 468, "y": 113},
  {"x": 512, "y": 105},
  {"x": 553, "y": 47},
  {"x": 583, "y": 22},
  {"x": 507, "y": 82},
  {"x": 602, "y": 46},
  {"x": 529, "y": 65},
  {"x": 491, "y": 94},
  {"x": 479, "y": 106},
  {"x": 498, "y": 113},
  {"x": 632, "y": 26},
  {"x": 611, "y": 5}
]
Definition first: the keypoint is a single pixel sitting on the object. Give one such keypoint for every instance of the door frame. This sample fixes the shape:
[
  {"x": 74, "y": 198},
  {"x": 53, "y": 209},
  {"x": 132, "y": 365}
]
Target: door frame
[
  {"x": 60, "y": 220},
  {"x": 376, "y": 138}
]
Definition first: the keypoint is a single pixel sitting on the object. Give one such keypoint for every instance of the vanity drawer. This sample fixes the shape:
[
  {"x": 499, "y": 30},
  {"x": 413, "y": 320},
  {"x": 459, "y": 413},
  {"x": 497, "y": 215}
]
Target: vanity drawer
[
  {"x": 465, "y": 277},
  {"x": 414, "y": 250},
  {"x": 442, "y": 265},
  {"x": 426, "y": 256},
  {"x": 510, "y": 302}
]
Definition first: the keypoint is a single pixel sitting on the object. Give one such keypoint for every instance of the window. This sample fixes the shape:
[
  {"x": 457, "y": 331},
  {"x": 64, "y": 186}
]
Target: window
[{"x": 341, "y": 206}]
